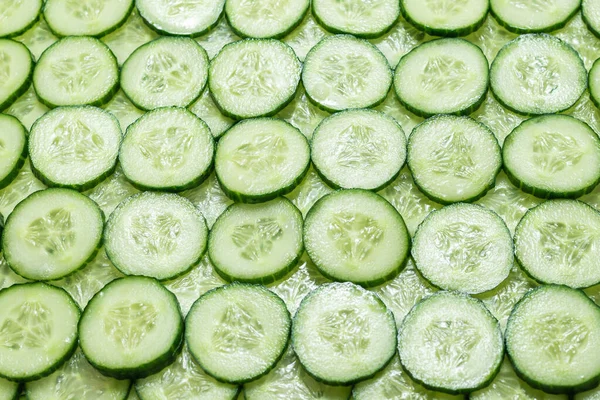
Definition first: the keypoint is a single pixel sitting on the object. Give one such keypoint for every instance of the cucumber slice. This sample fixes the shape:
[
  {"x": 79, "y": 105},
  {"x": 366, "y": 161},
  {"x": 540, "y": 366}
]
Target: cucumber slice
[
  {"x": 16, "y": 67},
  {"x": 593, "y": 394},
  {"x": 7, "y": 276},
  {"x": 133, "y": 34},
  {"x": 238, "y": 332},
  {"x": 38, "y": 38},
  {"x": 594, "y": 294},
  {"x": 577, "y": 34},
  {"x": 537, "y": 74},
  {"x": 303, "y": 114},
  {"x": 343, "y": 72},
  {"x": 556, "y": 242},
  {"x": 132, "y": 328},
  {"x": 394, "y": 384},
  {"x": 182, "y": 380},
  {"x": 74, "y": 147},
  {"x": 553, "y": 156},
  {"x": 463, "y": 247},
  {"x": 160, "y": 235},
  {"x": 167, "y": 149},
  {"x": 22, "y": 186},
  {"x": 590, "y": 11},
  {"x": 553, "y": 340},
  {"x": 76, "y": 70},
  {"x": 444, "y": 76},
  {"x": 526, "y": 16},
  {"x": 209, "y": 199},
  {"x": 453, "y": 159},
  {"x": 402, "y": 38},
  {"x": 9, "y": 390},
  {"x": 13, "y": 151},
  {"x": 16, "y": 16},
  {"x": 169, "y": 71},
  {"x": 38, "y": 330},
  {"x": 256, "y": 243},
  {"x": 311, "y": 189},
  {"x": 305, "y": 36},
  {"x": 86, "y": 17},
  {"x": 52, "y": 234},
  {"x": 266, "y": 18},
  {"x": 357, "y": 236},
  {"x": 27, "y": 108},
  {"x": 217, "y": 38},
  {"x": 181, "y": 17},
  {"x": 205, "y": 109},
  {"x": 260, "y": 159},
  {"x": 77, "y": 379},
  {"x": 500, "y": 120},
  {"x": 450, "y": 342},
  {"x": 123, "y": 110},
  {"x": 362, "y": 149},
  {"x": 490, "y": 38},
  {"x": 254, "y": 78},
  {"x": 289, "y": 380},
  {"x": 446, "y": 18},
  {"x": 343, "y": 334},
  {"x": 594, "y": 81},
  {"x": 359, "y": 18},
  {"x": 507, "y": 385},
  {"x": 112, "y": 191}
]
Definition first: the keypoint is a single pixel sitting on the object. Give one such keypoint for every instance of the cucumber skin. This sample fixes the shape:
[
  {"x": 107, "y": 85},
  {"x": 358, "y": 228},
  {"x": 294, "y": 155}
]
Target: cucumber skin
[
  {"x": 19, "y": 164},
  {"x": 593, "y": 98},
  {"x": 150, "y": 368},
  {"x": 589, "y": 24},
  {"x": 550, "y": 28},
  {"x": 192, "y": 35},
  {"x": 277, "y": 36},
  {"x": 25, "y": 28},
  {"x": 464, "y": 31},
  {"x": 24, "y": 87},
  {"x": 590, "y": 384},
  {"x": 69, "y": 353}
]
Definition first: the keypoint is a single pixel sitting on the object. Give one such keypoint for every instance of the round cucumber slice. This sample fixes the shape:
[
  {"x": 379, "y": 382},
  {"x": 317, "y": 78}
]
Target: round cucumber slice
[
  {"x": 13, "y": 149},
  {"x": 86, "y": 17},
  {"x": 254, "y": 78},
  {"x": 357, "y": 236},
  {"x": 16, "y": 68},
  {"x": 453, "y": 159},
  {"x": 553, "y": 156},
  {"x": 463, "y": 247},
  {"x": 590, "y": 11},
  {"x": 362, "y": 149},
  {"x": 38, "y": 330},
  {"x": 553, "y": 340},
  {"x": 237, "y": 333},
  {"x": 444, "y": 76},
  {"x": 51, "y": 234},
  {"x": 260, "y": 159},
  {"x": 132, "y": 328},
  {"x": 181, "y": 17},
  {"x": 342, "y": 72},
  {"x": 446, "y": 18},
  {"x": 9, "y": 390},
  {"x": 74, "y": 147},
  {"x": 594, "y": 80},
  {"x": 17, "y": 17},
  {"x": 167, "y": 149},
  {"x": 256, "y": 243},
  {"x": 160, "y": 235},
  {"x": 451, "y": 343},
  {"x": 265, "y": 18},
  {"x": 359, "y": 18},
  {"x": 528, "y": 16},
  {"x": 168, "y": 71},
  {"x": 556, "y": 242},
  {"x": 537, "y": 74},
  {"x": 343, "y": 334},
  {"x": 76, "y": 70}
]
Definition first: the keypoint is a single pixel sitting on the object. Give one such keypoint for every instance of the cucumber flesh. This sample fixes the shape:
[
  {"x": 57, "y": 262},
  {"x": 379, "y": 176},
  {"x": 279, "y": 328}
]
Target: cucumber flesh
[
  {"x": 16, "y": 16},
  {"x": 526, "y": 16}
]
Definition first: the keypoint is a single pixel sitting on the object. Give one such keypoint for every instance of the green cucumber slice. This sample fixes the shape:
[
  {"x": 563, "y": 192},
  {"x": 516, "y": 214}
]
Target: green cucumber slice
[
  {"x": 265, "y": 19},
  {"x": 16, "y": 67},
  {"x": 444, "y": 76},
  {"x": 594, "y": 83},
  {"x": 38, "y": 38},
  {"x": 402, "y": 38},
  {"x": 112, "y": 191},
  {"x": 527, "y": 16},
  {"x": 553, "y": 156},
  {"x": 123, "y": 110},
  {"x": 24, "y": 184},
  {"x": 209, "y": 199},
  {"x": 52, "y": 234},
  {"x": 305, "y": 36},
  {"x": 357, "y": 236},
  {"x": 343, "y": 334},
  {"x": 254, "y": 78},
  {"x": 217, "y": 38},
  {"x": 86, "y": 17},
  {"x": 453, "y": 159},
  {"x": 342, "y": 72},
  {"x": 167, "y": 149},
  {"x": 205, "y": 109},
  {"x": 74, "y": 147},
  {"x": 17, "y": 16},
  {"x": 9, "y": 390},
  {"x": 256, "y": 243},
  {"x": 160, "y": 235},
  {"x": 13, "y": 150},
  {"x": 553, "y": 340},
  {"x": 237, "y": 333},
  {"x": 260, "y": 159},
  {"x": 181, "y": 17},
  {"x": 362, "y": 149},
  {"x": 358, "y": 18},
  {"x": 77, "y": 379},
  {"x": 132, "y": 328},
  {"x": 133, "y": 34},
  {"x": 593, "y": 394},
  {"x": 27, "y": 108},
  {"x": 302, "y": 113},
  {"x": 590, "y": 11},
  {"x": 38, "y": 330},
  {"x": 537, "y": 74},
  {"x": 168, "y": 71},
  {"x": 446, "y": 18},
  {"x": 450, "y": 342}
]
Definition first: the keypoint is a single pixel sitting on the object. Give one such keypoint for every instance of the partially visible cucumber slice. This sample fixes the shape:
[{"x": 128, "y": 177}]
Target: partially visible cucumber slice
[
  {"x": 594, "y": 82},
  {"x": 527, "y": 16},
  {"x": 16, "y": 16},
  {"x": 13, "y": 150},
  {"x": 209, "y": 199},
  {"x": 302, "y": 113},
  {"x": 402, "y": 38},
  {"x": 446, "y": 18},
  {"x": 112, "y": 191},
  {"x": 593, "y": 394},
  {"x": 205, "y": 109},
  {"x": 266, "y": 18},
  {"x": 16, "y": 67},
  {"x": 590, "y": 10},
  {"x": 27, "y": 108},
  {"x": 358, "y": 18},
  {"x": 86, "y": 17},
  {"x": 38, "y": 38},
  {"x": 216, "y": 38},
  {"x": 125, "y": 40},
  {"x": 9, "y": 390},
  {"x": 305, "y": 36},
  {"x": 181, "y": 17},
  {"x": 22, "y": 186},
  {"x": 122, "y": 108}
]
